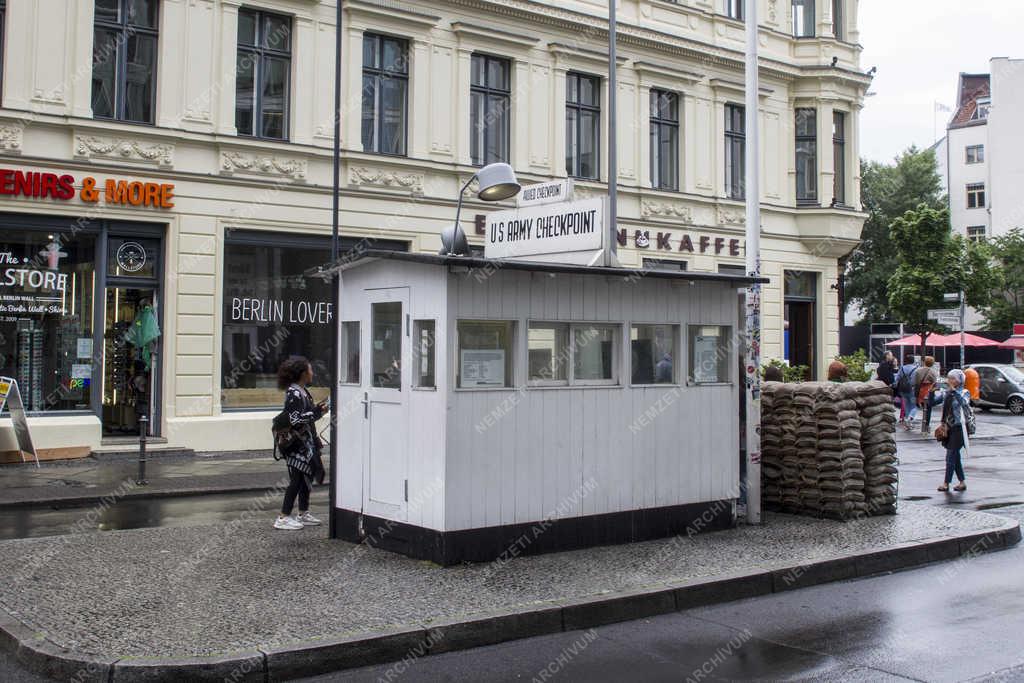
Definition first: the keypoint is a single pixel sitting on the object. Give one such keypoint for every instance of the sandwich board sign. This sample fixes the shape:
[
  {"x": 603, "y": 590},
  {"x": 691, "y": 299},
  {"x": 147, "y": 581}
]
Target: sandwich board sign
[{"x": 10, "y": 397}]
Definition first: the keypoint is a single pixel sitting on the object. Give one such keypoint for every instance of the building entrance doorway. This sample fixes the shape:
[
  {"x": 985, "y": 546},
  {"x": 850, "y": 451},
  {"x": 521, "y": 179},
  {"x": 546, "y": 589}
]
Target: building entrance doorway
[
  {"x": 130, "y": 337},
  {"x": 801, "y": 321}
]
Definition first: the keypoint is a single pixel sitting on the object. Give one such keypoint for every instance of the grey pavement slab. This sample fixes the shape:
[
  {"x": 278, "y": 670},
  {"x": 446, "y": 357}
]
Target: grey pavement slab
[
  {"x": 93, "y": 479},
  {"x": 211, "y": 591}
]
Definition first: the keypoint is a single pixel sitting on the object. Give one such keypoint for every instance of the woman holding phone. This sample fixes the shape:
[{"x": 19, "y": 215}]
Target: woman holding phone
[{"x": 303, "y": 454}]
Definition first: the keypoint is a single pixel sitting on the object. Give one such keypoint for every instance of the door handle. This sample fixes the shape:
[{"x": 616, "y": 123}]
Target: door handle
[{"x": 366, "y": 405}]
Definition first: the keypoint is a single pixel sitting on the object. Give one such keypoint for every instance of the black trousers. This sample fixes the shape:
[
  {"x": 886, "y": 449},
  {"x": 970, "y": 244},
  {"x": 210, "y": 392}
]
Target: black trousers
[{"x": 297, "y": 486}]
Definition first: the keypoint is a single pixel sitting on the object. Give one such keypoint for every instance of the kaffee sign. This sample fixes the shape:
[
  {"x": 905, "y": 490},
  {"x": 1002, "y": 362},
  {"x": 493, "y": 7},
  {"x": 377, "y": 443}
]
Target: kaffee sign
[
  {"x": 40, "y": 185},
  {"x": 667, "y": 241}
]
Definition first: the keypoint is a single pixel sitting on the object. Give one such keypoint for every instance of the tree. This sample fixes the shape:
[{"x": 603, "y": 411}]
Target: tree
[
  {"x": 1007, "y": 304},
  {"x": 931, "y": 262},
  {"x": 887, "y": 192}
]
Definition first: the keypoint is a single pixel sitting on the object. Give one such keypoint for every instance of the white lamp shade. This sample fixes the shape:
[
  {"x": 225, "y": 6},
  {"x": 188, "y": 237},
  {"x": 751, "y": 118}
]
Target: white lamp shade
[{"x": 497, "y": 182}]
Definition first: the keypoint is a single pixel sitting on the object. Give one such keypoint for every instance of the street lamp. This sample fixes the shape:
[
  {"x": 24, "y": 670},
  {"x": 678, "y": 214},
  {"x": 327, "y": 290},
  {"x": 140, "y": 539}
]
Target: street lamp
[{"x": 497, "y": 182}]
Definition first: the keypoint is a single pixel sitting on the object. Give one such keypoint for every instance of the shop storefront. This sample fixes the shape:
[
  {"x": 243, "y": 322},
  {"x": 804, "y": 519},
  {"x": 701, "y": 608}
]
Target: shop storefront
[{"x": 80, "y": 317}]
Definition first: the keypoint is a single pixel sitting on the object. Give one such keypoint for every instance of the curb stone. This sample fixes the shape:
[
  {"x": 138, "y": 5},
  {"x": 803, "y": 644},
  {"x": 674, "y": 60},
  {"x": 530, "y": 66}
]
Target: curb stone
[{"x": 403, "y": 643}]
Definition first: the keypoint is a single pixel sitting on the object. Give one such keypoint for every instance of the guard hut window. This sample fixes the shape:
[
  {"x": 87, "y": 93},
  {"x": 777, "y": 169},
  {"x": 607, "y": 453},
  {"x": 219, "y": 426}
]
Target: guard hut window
[
  {"x": 490, "y": 98},
  {"x": 582, "y": 125},
  {"x": 806, "y": 156},
  {"x": 734, "y": 151},
  {"x": 385, "y": 94},
  {"x": 734, "y": 9},
  {"x": 803, "y": 18},
  {"x": 664, "y": 140},
  {"x": 975, "y": 154},
  {"x": 577, "y": 354},
  {"x": 976, "y": 196},
  {"x": 652, "y": 350},
  {"x": 124, "y": 58},
  {"x": 484, "y": 354},
  {"x": 262, "y": 69},
  {"x": 423, "y": 343},
  {"x": 350, "y": 351},
  {"x": 710, "y": 353},
  {"x": 839, "y": 158}
]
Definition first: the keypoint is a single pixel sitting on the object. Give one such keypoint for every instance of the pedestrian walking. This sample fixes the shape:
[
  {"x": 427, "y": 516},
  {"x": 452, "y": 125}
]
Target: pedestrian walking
[
  {"x": 299, "y": 443},
  {"x": 905, "y": 391},
  {"x": 925, "y": 378},
  {"x": 952, "y": 432},
  {"x": 887, "y": 370}
]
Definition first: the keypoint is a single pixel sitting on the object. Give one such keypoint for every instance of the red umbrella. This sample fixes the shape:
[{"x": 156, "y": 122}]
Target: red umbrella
[
  {"x": 953, "y": 339},
  {"x": 1013, "y": 343},
  {"x": 915, "y": 340}
]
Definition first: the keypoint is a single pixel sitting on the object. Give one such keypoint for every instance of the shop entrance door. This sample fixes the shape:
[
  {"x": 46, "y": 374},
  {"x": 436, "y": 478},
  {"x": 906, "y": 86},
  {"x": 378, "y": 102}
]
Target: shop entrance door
[
  {"x": 800, "y": 316},
  {"x": 386, "y": 440},
  {"x": 129, "y": 359}
]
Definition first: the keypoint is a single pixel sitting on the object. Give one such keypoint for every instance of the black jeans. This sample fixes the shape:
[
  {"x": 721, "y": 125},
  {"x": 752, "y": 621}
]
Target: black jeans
[{"x": 297, "y": 486}]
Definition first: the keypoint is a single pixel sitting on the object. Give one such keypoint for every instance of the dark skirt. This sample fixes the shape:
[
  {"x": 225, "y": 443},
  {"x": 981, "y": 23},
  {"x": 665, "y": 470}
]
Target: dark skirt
[{"x": 955, "y": 441}]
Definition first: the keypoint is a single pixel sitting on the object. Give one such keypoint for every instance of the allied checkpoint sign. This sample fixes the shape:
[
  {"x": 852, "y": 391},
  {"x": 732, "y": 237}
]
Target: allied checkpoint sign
[
  {"x": 10, "y": 397},
  {"x": 565, "y": 232}
]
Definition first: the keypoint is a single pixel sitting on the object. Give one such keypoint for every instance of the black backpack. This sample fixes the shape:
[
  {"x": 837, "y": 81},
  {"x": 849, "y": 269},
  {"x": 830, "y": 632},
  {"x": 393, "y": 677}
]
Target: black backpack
[
  {"x": 902, "y": 382},
  {"x": 285, "y": 436}
]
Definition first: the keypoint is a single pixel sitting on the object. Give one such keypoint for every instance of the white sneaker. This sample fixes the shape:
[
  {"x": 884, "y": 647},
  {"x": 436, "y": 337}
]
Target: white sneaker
[
  {"x": 287, "y": 523},
  {"x": 306, "y": 519}
]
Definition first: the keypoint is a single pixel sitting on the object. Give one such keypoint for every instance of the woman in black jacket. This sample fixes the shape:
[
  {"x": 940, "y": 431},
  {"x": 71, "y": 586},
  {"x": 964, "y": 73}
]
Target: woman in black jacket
[{"x": 303, "y": 453}]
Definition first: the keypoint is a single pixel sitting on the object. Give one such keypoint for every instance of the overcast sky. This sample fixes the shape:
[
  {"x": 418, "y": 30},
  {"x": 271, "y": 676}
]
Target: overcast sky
[{"x": 920, "y": 47}]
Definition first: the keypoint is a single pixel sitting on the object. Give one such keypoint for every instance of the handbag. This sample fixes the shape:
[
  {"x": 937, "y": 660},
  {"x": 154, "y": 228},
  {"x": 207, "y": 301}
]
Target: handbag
[{"x": 941, "y": 433}]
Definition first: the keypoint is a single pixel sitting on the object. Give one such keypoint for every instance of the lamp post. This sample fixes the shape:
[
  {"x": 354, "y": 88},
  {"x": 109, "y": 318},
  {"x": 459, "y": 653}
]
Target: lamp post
[
  {"x": 335, "y": 248},
  {"x": 497, "y": 182}
]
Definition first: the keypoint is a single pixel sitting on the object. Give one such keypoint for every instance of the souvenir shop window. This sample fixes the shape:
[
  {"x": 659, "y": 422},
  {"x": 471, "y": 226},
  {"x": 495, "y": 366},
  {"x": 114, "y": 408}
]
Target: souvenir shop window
[
  {"x": 272, "y": 310},
  {"x": 46, "y": 318}
]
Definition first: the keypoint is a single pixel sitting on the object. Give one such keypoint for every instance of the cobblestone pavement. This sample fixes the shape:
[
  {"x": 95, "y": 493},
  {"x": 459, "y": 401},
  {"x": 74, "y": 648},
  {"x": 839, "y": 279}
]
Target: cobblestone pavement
[{"x": 186, "y": 591}]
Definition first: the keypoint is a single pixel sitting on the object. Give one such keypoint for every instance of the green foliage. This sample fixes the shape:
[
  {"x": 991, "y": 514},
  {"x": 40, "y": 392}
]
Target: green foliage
[
  {"x": 790, "y": 373},
  {"x": 932, "y": 262},
  {"x": 1006, "y": 306},
  {"x": 887, "y": 192},
  {"x": 855, "y": 365}
]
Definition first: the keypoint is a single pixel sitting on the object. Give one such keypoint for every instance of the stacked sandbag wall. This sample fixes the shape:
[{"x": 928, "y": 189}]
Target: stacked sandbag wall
[{"x": 828, "y": 449}]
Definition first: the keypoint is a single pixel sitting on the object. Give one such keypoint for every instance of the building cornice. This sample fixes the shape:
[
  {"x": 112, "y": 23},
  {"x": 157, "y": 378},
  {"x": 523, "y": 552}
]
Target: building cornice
[{"x": 492, "y": 35}]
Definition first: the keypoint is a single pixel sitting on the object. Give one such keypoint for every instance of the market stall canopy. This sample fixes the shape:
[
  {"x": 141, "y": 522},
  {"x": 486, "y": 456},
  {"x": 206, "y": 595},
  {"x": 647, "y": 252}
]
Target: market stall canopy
[
  {"x": 946, "y": 340},
  {"x": 1013, "y": 343}
]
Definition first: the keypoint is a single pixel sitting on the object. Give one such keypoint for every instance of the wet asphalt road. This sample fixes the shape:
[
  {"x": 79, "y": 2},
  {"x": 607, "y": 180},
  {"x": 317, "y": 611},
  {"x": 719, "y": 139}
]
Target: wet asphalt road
[{"x": 947, "y": 622}]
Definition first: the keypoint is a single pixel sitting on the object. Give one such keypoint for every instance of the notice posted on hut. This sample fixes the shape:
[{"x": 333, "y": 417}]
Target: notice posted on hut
[{"x": 545, "y": 229}]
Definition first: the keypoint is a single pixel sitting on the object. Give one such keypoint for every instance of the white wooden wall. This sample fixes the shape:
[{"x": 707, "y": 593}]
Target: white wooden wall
[
  {"x": 548, "y": 446},
  {"x": 426, "y": 426}
]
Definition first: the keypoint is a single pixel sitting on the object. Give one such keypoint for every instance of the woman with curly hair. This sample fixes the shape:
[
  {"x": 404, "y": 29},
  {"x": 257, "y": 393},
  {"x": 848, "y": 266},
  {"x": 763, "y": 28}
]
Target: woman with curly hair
[{"x": 302, "y": 454}]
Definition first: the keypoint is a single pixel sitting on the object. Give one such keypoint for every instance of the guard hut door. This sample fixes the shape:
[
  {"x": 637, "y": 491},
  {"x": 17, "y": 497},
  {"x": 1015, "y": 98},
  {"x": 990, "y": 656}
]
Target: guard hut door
[{"x": 386, "y": 403}]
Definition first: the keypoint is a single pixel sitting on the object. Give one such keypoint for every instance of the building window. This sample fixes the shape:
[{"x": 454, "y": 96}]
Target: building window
[
  {"x": 838, "y": 20},
  {"x": 664, "y": 140},
  {"x": 124, "y": 58},
  {"x": 710, "y": 353},
  {"x": 423, "y": 344},
  {"x": 803, "y": 18},
  {"x": 838, "y": 158},
  {"x": 734, "y": 9},
  {"x": 262, "y": 70},
  {"x": 272, "y": 310},
  {"x": 582, "y": 125},
  {"x": 652, "y": 353},
  {"x": 976, "y": 233},
  {"x": 734, "y": 151},
  {"x": 981, "y": 107},
  {"x": 806, "y": 156},
  {"x": 976, "y": 196},
  {"x": 732, "y": 269},
  {"x": 46, "y": 330},
  {"x": 350, "y": 344},
  {"x": 975, "y": 154},
  {"x": 484, "y": 354},
  {"x": 563, "y": 354},
  {"x": 490, "y": 102},
  {"x": 385, "y": 94},
  {"x": 800, "y": 319}
]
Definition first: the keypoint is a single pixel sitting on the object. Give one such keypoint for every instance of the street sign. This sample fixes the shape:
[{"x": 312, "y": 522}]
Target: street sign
[
  {"x": 951, "y": 297},
  {"x": 936, "y": 313},
  {"x": 545, "y": 193}
]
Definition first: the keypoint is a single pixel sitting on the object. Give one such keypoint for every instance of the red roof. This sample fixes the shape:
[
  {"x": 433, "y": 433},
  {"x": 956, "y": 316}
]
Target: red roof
[{"x": 969, "y": 89}]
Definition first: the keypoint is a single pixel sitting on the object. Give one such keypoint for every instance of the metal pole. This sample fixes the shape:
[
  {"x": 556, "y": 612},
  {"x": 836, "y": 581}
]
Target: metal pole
[
  {"x": 335, "y": 248},
  {"x": 143, "y": 428},
  {"x": 613, "y": 166},
  {"x": 753, "y": 257},
  {"x": 963, "y": 311}
]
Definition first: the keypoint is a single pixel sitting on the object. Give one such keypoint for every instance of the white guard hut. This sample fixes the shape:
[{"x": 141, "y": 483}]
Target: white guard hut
[{"x": 491, "y": 408}]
